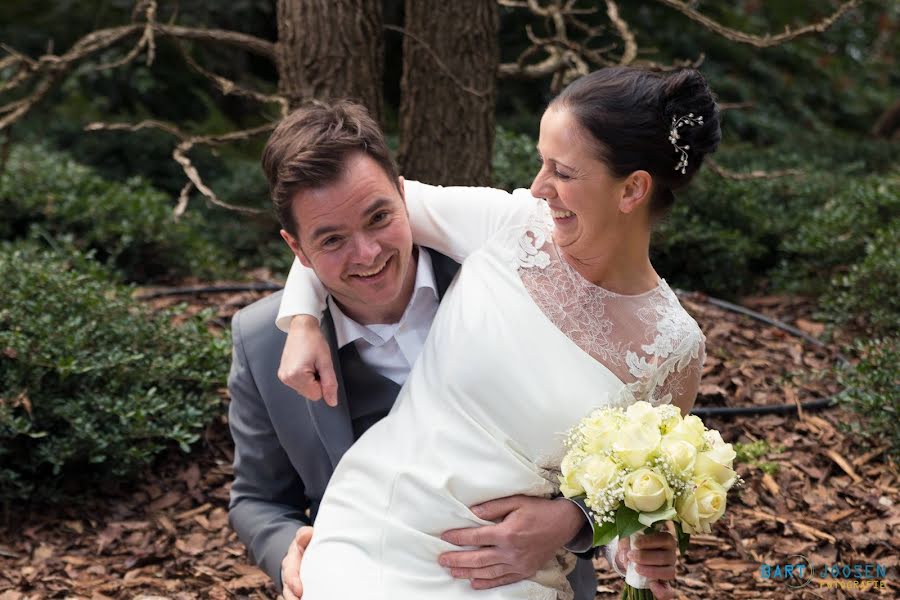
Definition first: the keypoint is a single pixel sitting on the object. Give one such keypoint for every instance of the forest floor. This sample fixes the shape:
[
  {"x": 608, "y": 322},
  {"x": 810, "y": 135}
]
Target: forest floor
[{"x": 812, "y": 491}]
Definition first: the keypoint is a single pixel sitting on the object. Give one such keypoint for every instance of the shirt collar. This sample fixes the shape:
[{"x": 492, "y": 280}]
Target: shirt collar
[{"x": 347, "y": 330}]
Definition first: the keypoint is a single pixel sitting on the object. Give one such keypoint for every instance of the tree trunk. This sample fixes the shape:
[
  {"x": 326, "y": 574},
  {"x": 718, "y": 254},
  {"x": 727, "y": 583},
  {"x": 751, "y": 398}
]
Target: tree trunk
[
  {"x": 450, "y": 60},
  {"x": 331, "y": 49}
]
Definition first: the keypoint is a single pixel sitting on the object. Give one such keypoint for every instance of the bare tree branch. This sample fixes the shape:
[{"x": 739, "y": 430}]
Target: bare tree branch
[
  {"x": 230, "y": 88},
  {"x": 180, "y": 155},
  {"x": 759, "y": 41},
  {"x": 52, "y": 67},
  {"x": 624, "y": 32},
  {"x": 723, "y": 106},
  {"x": 757, "y": 174},
  {"x": 146, "y": 40},
  {"x": 250, "y": 43},
  {"x": 15, "y": 110}
]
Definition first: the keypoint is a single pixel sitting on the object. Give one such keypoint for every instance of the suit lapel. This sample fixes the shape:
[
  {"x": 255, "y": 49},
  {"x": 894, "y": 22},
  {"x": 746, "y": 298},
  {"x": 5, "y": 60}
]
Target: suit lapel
[
  {"x": 445, "y": 269},
  {"x": 333, "y": 423},
  {"x": 356, "y": 380}
]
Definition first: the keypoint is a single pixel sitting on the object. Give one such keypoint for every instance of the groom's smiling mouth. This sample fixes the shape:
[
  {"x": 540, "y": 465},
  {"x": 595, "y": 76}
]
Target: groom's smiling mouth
[{"x": 374, "y": 273}]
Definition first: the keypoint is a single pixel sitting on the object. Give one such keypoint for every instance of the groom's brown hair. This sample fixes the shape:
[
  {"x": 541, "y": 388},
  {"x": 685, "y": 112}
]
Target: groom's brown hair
[{"x": 310, "y": 146}]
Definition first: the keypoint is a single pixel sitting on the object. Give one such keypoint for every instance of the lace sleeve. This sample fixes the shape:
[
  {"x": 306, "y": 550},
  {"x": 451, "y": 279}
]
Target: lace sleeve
[{"x": 684, "y": 383}]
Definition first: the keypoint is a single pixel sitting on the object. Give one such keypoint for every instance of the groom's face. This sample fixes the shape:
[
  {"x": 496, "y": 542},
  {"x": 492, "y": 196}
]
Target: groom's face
[{"x": 355, "y": 234}]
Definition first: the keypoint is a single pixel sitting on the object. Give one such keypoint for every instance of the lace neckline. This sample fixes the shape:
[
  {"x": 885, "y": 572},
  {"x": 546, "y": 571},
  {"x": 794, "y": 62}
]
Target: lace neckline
[{"x": 582, "y": 281}]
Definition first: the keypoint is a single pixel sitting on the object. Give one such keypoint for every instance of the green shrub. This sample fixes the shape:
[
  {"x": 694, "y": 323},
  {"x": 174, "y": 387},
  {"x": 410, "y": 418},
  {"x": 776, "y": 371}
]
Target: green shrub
[
  {"x": 866, "y": 296},
  {"x": 515, "y": 159},
  {"x": 93, "y": 384},
  {"x": 129, "y": 225},
  {"x": 836, "y": 234},
  {"x": 872, "y": 389}
]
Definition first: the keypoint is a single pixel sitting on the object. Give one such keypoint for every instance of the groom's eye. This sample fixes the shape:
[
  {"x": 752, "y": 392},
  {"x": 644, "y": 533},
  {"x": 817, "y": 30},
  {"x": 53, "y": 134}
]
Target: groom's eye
[
  {"x": 380, "y": 217},
  {"x": 331, "y": 241}
]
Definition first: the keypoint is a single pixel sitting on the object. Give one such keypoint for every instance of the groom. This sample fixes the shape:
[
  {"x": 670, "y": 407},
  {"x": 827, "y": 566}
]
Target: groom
[{"x": 341, "y": 205}]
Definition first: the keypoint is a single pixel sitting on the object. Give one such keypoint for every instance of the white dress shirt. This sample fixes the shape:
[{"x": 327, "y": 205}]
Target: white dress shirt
[{"x": 391, "y": 349}]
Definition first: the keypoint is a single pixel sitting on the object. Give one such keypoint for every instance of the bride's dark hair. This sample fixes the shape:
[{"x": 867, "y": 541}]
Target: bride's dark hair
[{"x": 628, "y": 114}]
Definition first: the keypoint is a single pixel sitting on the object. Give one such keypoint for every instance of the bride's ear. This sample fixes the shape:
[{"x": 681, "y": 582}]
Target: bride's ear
[{"x": 636, "y": 191}]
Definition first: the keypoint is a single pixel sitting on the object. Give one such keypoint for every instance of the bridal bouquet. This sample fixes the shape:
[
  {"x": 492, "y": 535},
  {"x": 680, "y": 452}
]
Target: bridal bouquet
[{"x": 640, "y": 467}]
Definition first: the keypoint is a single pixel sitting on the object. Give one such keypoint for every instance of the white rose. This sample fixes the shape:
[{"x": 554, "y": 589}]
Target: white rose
[
  {"x": 599, "y": 433},
  {"x": 690, "y": 429},
  {"x": 643, "y": 413},
  {"x": 635, "y": 443},
  {"x": 723, "y": 454},
  {"x": 669, "y": 417},
  {"x": 682, "y": 455},
  {"x": 700, "y": 509},
  {"x": 647, "y": 491},
  {"x": 716, "y": 463},
  {"x": 597, "y": 473},
  {"x": 568, "y": 480}
]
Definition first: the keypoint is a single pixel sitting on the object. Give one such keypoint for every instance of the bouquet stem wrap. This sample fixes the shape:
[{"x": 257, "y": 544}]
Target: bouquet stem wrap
[{"x": 632, "y": 577}]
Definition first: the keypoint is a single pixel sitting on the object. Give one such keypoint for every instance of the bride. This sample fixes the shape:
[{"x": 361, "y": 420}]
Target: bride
[{"x": 557, "y": 310}]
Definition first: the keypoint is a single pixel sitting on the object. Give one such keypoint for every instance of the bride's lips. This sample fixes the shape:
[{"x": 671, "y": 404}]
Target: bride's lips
[{"x": 561, "y": 215}]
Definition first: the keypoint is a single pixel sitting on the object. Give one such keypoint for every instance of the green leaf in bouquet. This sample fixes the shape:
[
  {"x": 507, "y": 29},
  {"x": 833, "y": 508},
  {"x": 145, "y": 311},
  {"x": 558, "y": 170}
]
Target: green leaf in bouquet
[
  {"x": 627, "y": 522},
  {"x": 603, "y": 534},
  {"x": 683, "y": 538},
  {"x": 664, "y": 514}
]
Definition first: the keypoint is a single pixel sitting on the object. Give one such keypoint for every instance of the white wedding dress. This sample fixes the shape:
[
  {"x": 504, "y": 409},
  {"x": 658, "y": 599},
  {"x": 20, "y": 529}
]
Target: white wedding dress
[{"x": 521, "y": 348}]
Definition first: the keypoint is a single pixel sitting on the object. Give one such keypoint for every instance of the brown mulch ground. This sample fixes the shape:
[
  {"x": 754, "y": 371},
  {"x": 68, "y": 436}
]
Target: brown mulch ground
[{"x": 831, "y": 499}]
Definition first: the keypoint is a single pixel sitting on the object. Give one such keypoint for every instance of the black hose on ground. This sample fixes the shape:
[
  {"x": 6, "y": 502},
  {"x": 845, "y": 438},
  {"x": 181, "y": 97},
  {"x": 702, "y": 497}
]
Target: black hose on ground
[{"x": 701, "y": 411}]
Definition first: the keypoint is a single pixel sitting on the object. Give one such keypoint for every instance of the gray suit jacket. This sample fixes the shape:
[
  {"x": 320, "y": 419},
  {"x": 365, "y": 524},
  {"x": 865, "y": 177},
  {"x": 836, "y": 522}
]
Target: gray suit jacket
[{"x": 286, "y": 446}]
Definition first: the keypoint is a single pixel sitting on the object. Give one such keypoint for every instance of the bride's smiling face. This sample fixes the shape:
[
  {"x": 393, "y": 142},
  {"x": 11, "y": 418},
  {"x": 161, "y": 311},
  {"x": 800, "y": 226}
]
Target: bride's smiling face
[{"x": 582, "y": 192}]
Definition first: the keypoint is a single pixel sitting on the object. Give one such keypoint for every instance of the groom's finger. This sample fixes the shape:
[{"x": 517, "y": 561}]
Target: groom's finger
[
  {"x": 493, "y": 510},
  {"x": 486, "y": 573},
  {"x": 471, "y": 559},
  {"x": 486, "y": 535}
]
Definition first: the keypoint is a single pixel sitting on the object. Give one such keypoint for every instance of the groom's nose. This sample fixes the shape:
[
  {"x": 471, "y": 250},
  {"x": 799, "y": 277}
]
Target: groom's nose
[{"x": 366, "y": 248}]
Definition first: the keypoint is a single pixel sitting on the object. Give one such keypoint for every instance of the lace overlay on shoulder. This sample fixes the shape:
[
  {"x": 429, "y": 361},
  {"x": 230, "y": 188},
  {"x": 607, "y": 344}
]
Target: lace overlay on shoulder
[{"x": 647, "y": 340}]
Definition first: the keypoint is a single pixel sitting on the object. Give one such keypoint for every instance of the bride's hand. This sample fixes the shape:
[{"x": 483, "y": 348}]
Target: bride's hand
[
  {"x": 653, "y": 557},
  {"x": 306, "y": 365},
  {"x": 526, "y": 536}
]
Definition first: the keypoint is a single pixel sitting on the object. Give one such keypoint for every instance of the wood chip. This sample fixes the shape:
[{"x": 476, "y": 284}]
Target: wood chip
[
  {"x": 735, "y": 566},
  {"x": 843, "y": 464},
  {"x": 791, "y": 523},
  {"x": 865, "y": 458},
  {"x": 839, "y": 515},
  {"x": 193, "y": 512},
  {"x": 771, "y": 485}
]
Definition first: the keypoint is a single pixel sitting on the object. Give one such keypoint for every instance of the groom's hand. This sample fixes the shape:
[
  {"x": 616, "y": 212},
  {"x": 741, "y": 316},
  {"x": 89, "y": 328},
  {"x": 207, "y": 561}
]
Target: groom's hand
[
  {"x": 306, "y": 365},
  {"x": 527, "y": 534},
  {"x": 290, "y": 564}
]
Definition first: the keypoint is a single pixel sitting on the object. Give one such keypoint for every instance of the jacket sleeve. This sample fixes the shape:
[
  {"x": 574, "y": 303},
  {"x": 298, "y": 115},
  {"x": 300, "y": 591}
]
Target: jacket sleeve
[{"x": 268, "y": 501}]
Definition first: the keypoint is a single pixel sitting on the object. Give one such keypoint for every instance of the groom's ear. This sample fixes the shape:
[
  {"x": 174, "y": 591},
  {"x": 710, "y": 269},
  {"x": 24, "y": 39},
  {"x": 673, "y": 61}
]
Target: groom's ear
[
  {"x": 400, "y": 187},
  {"x": 294, "y": 244}
]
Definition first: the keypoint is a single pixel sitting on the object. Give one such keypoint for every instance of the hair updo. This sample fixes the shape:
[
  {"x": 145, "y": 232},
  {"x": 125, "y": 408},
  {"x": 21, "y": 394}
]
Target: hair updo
[{"x": 628, "y": 114}]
